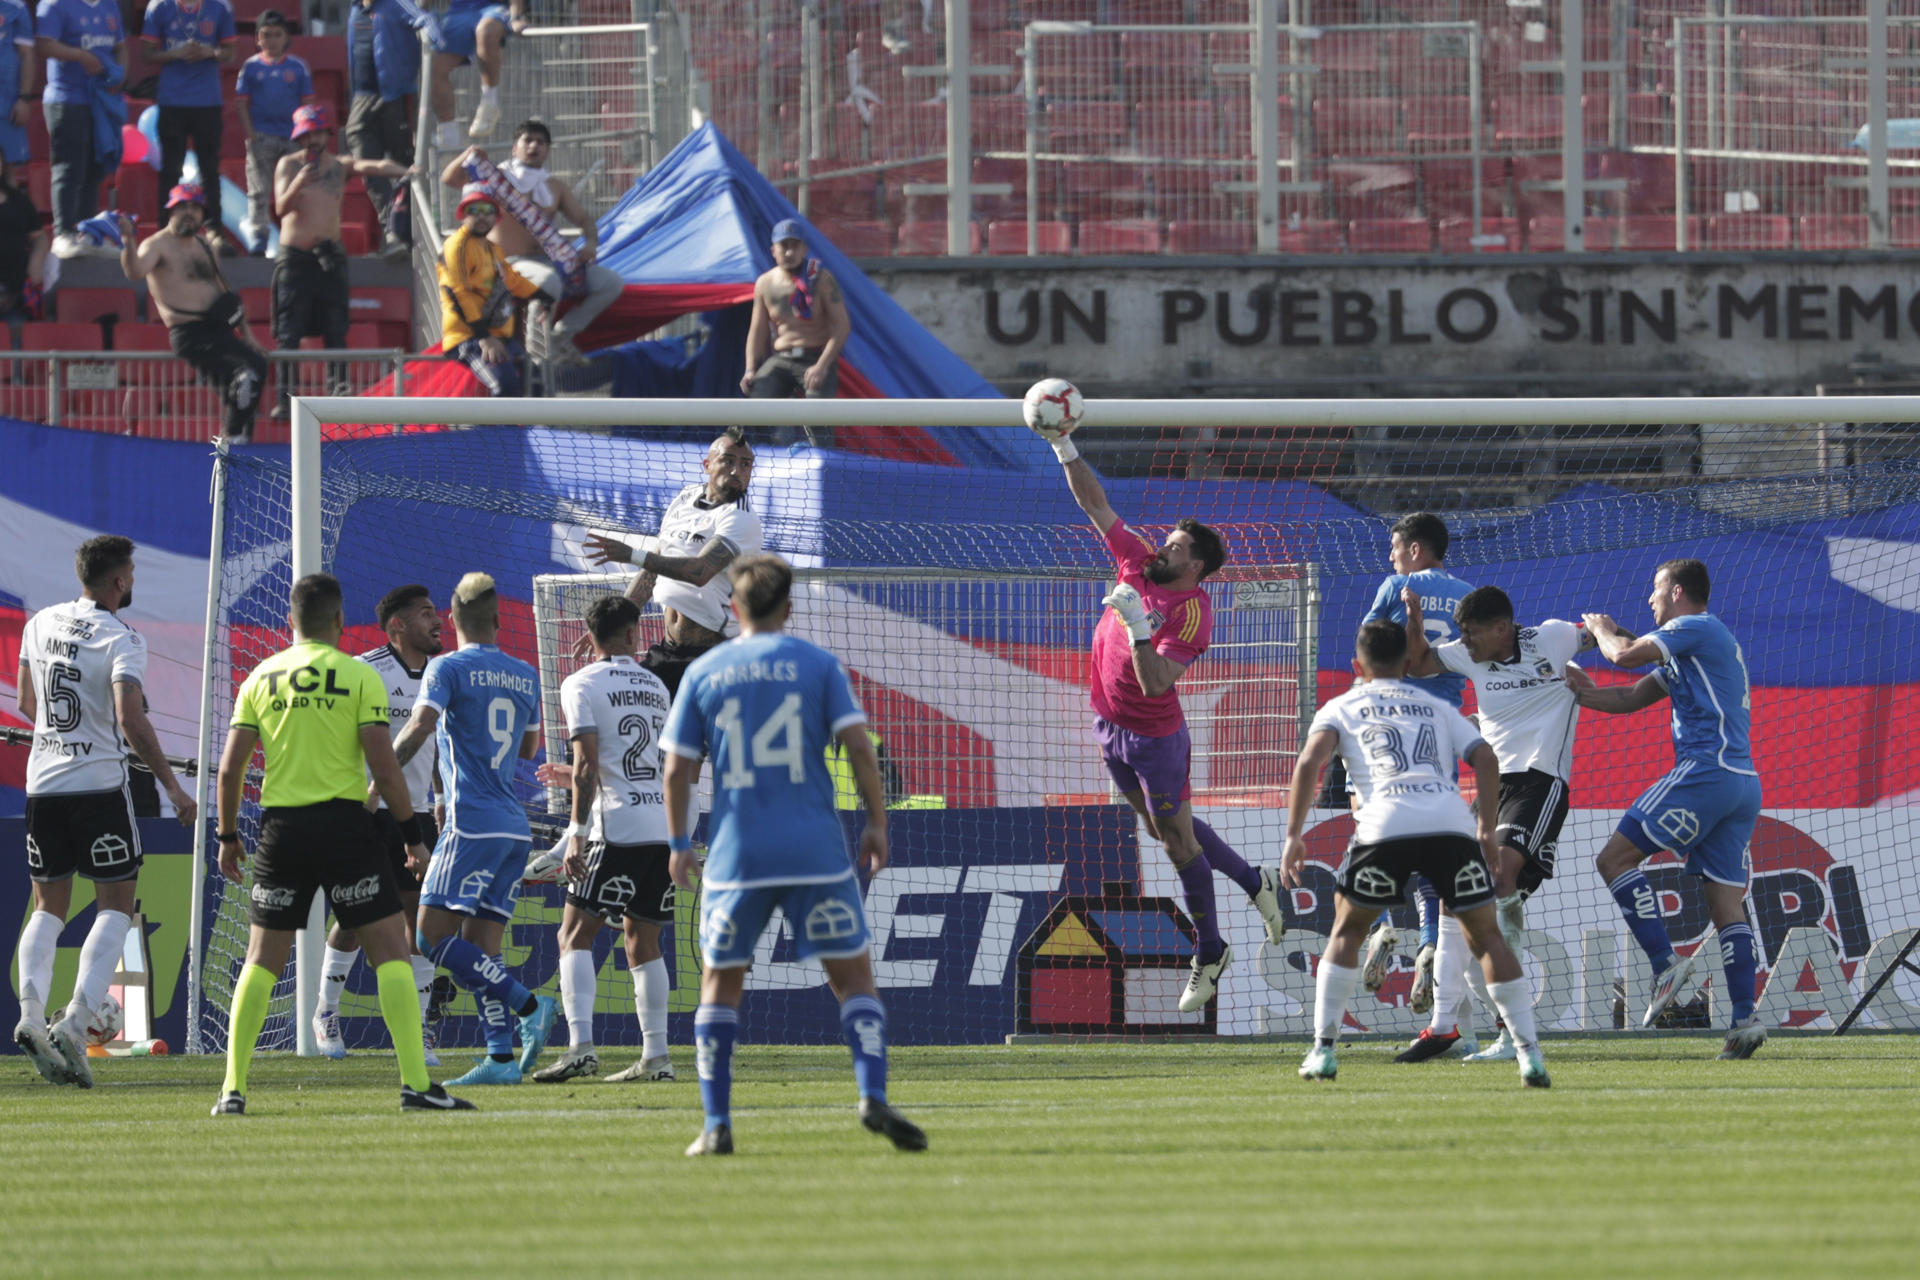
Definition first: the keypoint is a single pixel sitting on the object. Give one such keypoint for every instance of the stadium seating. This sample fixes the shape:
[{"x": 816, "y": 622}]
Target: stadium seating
[
  {"x": 1011, "y": 237},
  {"x": 1455, "y": 235},
  {"x": 1125, "y": 235},
  {"x": 1210, "y": 237},
  {"x": 930, "y": 238},
  {"x": 1390, "y": 235},
  {"x": 867, "y": 239},
  {"x": 92, "y": 306}
]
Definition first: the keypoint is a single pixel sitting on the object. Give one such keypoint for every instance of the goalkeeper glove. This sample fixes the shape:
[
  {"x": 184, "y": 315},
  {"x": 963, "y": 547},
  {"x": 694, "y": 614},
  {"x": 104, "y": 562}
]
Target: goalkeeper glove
[
  {"x": 1126, "y": 602},
  {"x": 1063, "y": 447}
]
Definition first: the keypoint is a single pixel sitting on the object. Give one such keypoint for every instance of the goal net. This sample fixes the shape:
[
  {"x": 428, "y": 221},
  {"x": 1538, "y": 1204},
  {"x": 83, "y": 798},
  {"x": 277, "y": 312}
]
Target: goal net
[{"x": 1025, "y": 897}]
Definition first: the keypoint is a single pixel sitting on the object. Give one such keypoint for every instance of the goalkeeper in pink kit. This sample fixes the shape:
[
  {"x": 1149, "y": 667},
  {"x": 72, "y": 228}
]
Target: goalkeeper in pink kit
[{"x": 1158, "y": 622}]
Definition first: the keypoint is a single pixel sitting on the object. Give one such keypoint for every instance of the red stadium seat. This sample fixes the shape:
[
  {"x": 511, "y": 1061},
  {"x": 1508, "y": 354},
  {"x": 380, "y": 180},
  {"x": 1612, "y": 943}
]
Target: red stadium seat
[
  {"x": 1165, "y": 64},
  {"x": 867, "y": 239},
  {"x": 1549, "y": 235},
  {"x": 999, "y": 124},
  {"x": 1087, "y": 128},
  {"x": 90, "y": 306},
  {"x": 258, "y": 304},
  {"x": 1176, "y": 129},
  {"x": 1446, "y": 187},
  {"x": 49, "y": 335},
  {"x": 930, "y": 238},
  {"x": 1124, "y": 235},
  {"x": 1349, "y": 63},
  {"x": 1747, "y": 231},
  {"x": 1390, "y": 235},
  {"x": 1146, "y": 13},
  {"x": 356, "y": 238},
  {"x": 141, "y": 337},
  {"x": 381, "y": 304},
  {"x": 1656, "y": 232},
  {"x": 39, "y": 144},
  {"x": 1524, "y": 123},
  {"x": 1905, "y": 231},
  {"x": 1313, "y": 236},
  {"x": 1439, "y": 123},
  {"x": 1833, "y": 231},
  {"x": 1210, "y": 237},
  {"x": 1455, "y": 235},
  {"x": 37, "y": 177},
  {"x": 1011, "y": 237},
  {"x": 1357, "y": 127},
  {"x": 1103, "y": 189}
]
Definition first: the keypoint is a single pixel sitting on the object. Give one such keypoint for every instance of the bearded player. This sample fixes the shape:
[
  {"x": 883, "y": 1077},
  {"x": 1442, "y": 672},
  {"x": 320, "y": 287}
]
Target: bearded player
[{"x": 1158, "y": 623}]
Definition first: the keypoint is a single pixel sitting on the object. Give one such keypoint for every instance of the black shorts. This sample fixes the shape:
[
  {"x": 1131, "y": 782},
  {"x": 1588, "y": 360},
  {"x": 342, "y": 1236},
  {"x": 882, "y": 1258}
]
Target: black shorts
[
  {"x": 89, "y": 832},
  {"x": 625, "y": 881},
  {"x": 1375, "y": 875},
  {"x": 1533, "y": 805},
  {"x": 669, "y": 659},
  {"x": 310, "y": 295},
  {"x": 331, "y": 846},
  {"x": 387, "y": 829}
]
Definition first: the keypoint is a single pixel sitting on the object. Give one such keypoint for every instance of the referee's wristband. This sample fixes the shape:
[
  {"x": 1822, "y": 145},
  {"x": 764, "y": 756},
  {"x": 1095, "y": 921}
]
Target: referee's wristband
[
  {"x": 680, "y": 844},
  {"x": 410, "y": 830}
]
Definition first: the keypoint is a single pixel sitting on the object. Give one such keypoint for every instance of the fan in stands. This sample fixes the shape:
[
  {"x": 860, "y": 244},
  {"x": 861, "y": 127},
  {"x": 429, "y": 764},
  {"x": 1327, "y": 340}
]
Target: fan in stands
[{"x": 1053, "y": 407}]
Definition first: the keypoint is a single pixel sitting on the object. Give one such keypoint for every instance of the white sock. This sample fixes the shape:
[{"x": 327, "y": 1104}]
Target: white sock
[
  {"x": 334, "y": 968},
  {"x": 578, "y": 987},
  {"x": 490, "y": 93},
  {"x": 423, "y": 980},
  {"x": 100, "y": 957},
  {"x": 1332, "y": 993},
  {"x": 650, "y": 1002},
  {"x": 447, "y": 136},
  {"x": 38, "y": 942},
  {"x": 1515, "y": 1002},
  {"x": 1477, "y": 981},
  {"x": 1449, "y": 984}
]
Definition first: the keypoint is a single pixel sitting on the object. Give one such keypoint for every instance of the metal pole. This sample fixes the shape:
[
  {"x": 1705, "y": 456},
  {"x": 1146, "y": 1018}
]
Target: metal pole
[
  {"x": 808, "y": 140},
  {"x": 1573, "y": 142},
  {"x": 1712, "y": 86},
  {"x": 1474, "y": 109},
  {"x": 960, "y": 128},
  {"x": 203, "y": 753},
  {"x": 307, "y": 943},
  {"x": 1029, "y": 83},
  {"x": 1879, "y": 220},
  {"x": 1266, "y": 121},
  {"x": 1680, "y": 193}
]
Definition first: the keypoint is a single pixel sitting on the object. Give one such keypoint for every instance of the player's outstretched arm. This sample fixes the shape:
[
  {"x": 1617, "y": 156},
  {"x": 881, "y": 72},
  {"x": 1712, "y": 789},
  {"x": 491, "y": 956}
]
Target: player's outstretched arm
[
  {"x": 1089, "y": 494},
  {"x": 1306, "y": 785},
  {"x": 1421, "y": 660},
  {"x": 131, "y": 708},
  {"x": 873, "y": 795},
  {"x": 677, "y": 784},
  {"x": 417, "y": 734},
  {"x": 1618, "y": 645},
  {"x": 1615, "y": 699},
  {"x": 233, "y": 776}
]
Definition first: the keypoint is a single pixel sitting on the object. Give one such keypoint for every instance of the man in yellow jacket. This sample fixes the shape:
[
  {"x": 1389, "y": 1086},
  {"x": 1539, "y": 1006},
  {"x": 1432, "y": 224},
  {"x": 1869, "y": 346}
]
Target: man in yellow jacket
[{"x": 477, "y": 288}]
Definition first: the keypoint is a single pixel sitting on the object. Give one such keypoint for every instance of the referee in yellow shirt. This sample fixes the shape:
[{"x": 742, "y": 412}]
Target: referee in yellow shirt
[{"x": 320, "y": 717}]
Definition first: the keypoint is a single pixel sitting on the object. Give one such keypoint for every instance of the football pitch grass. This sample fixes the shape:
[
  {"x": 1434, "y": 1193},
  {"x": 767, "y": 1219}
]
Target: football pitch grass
[{"x": 1646, "y": 1158}]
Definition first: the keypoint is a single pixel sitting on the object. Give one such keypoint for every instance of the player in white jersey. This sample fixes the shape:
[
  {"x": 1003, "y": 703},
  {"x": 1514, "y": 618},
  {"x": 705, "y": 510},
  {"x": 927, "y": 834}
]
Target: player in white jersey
[
  {"x": 616, "y": 845},
  {"x": 1399, "y": 745},
  {"x": 1528, "y": 714},
  {"x": 80, "y": 678},
  {"x": 707, "y": 527},
  {"x": 413, "y": 628}
]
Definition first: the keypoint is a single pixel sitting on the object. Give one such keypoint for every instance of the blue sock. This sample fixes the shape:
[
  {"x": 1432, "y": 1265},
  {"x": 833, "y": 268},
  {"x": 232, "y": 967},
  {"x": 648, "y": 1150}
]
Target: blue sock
[
  {"x": 1427, "y": 904},
  {"x": 1634, "y": 892},
  {"x": 1737, "y": 958},
  {"x": 493, "y": 1013},
  {"x": 479, "y": 972},
  {"x": 714, "y": 1029},
  {"x": 863, "y": 1025},
  {"x": 1222, "y": 858}
]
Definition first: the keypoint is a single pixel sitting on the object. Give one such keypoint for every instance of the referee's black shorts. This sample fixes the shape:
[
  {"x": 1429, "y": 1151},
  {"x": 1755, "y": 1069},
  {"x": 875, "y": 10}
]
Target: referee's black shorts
[
  {"x": 387, "y": 828},
  {"x": 330, "y": 846}
]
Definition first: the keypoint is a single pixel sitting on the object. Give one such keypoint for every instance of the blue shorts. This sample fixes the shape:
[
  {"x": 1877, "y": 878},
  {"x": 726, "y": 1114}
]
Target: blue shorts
[
  {"x": 476, "y": 875},
  {"x": 1703, "y": 813},
  {"x": 828, "y": 921},
  {"x": 458, "y": 28}
]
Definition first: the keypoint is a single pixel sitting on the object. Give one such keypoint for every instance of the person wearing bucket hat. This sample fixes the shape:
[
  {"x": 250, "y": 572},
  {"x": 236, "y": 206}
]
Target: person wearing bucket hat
[
  {"x": 800, "y": 317},
  {"x": 189, "y": 40},
  {"x": 477, "y": 288},
  {"x": 310, "y": 296},
  {"x": 205, "y": 318}
]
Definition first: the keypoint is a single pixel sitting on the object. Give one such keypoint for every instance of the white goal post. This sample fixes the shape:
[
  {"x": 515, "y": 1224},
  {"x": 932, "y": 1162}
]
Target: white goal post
[{"x": 1145, "y": 415}]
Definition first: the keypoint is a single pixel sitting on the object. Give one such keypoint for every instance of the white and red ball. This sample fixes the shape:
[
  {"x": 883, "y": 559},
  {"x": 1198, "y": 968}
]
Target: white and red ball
[
  {"x": 107, "y": 1022},
  {"x": 1054, "y": 406}
]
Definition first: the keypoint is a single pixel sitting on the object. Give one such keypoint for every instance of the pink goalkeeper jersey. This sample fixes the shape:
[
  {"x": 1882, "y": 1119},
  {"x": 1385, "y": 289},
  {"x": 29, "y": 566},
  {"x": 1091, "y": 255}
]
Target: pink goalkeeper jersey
[{"x": 1182, "y": 628}]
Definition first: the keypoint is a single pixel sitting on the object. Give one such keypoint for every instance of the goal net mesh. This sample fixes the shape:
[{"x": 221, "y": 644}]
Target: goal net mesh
[{"x": 1025, "y": 898}]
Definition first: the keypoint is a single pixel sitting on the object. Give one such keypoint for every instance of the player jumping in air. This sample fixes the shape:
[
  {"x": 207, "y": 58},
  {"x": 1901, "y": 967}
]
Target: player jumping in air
[
  {"x": 764, "y": 708},
  {"x": 616, "y": 845},
  {"x": 412, "y": 625},
  {"x": 1706, "y": 808},
  {"x": 1528, "y": 715},
  {"x": 1416, "y": 548},
  {"x": 1158, "y": 622},
  {"x": 484, "y": 706},
  {"x": 1399, "y": 746}
]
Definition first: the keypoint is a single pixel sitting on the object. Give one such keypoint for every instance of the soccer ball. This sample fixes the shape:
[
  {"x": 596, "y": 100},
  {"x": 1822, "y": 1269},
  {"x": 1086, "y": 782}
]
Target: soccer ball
[
  {"x": 105, "y": 1025},
  {"x": 1054, "y": 406}
]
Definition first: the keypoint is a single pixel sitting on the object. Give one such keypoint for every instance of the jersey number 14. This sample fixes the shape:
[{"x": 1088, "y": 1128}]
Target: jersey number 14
[{"x": 777, "y": 743}]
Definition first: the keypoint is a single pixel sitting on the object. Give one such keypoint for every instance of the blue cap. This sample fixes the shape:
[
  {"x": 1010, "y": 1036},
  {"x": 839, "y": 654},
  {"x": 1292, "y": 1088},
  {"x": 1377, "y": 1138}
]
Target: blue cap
[{"x": 788, "y": 229}]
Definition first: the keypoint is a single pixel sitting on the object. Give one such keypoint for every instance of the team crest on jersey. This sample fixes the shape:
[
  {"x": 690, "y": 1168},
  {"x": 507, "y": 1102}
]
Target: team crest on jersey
[
  {"x": 110, "y": 850},
  {"x": 617, "y": 892},
  {"x": 831, "y": 921},
  {"x": 1543, "y": 668},
  {"x": 475, "y": 884},
  {"x": 1682, "y": 826},
  {"x": 1156, "y": 619},
  {"x": 1372, "y": 882}
]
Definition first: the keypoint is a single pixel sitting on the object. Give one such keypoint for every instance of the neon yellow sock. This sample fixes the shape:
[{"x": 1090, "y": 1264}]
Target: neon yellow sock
[
  {"x": 251, "y": 995},
  {"x": 400, "y": 1006}
]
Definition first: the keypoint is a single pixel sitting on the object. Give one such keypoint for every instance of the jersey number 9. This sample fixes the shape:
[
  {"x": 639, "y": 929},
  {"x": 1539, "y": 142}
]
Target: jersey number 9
[{"x": 500, "y": 725}]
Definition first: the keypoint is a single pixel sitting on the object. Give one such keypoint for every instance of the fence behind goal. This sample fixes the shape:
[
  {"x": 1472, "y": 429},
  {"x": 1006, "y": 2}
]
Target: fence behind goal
[{"x": 1024, "y": 897}]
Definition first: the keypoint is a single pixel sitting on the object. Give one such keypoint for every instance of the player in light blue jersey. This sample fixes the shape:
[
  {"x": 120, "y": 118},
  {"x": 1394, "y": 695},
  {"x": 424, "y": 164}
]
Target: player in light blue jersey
[
  {"x": 1706, "y": 808},
  {"x": 1417, "y": 550},
  {"x": 765, "y": 707},
  {"x": 482, "y": 707}
]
